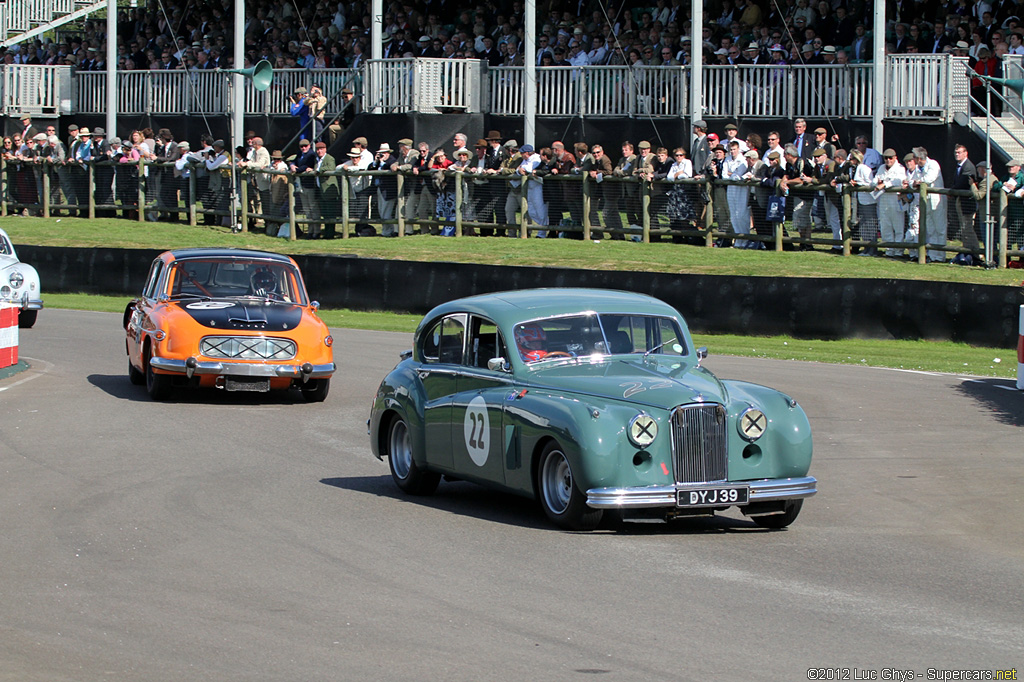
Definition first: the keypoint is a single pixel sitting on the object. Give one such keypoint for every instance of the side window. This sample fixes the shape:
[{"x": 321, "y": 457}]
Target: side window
[
  {"x": 668, "y": 334},
  {"x": 485, "y": 342},
  {"x": 444, "y": 342},
  {"x": 149, "y": 291}
]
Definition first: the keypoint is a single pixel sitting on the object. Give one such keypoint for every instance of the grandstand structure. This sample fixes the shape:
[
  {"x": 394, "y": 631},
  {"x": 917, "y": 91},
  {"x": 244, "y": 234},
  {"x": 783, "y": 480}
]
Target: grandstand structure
[{"x": 920, "y": 89}]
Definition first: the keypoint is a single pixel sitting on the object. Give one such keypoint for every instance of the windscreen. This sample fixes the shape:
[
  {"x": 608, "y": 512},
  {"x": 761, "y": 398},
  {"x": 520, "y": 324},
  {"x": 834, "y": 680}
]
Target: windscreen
[
  {"x": 235, "y": 278},
  {"x": 598, "y": 334}
]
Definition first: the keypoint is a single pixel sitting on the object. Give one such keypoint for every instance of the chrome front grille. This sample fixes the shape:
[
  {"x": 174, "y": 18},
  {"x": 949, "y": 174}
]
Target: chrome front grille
[
  {"x": 247, "y": 348},
  {"x": 700, "y": 450}
]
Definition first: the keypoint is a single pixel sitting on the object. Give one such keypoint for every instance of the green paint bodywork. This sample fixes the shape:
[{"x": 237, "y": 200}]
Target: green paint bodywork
[{"x": 584, "y": 404}]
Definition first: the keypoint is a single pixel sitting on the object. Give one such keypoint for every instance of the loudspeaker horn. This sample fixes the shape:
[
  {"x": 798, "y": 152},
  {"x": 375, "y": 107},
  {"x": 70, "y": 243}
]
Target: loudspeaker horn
[
  {"x": 1015, "y": 84},
  {"x": 261, "y": 74}
]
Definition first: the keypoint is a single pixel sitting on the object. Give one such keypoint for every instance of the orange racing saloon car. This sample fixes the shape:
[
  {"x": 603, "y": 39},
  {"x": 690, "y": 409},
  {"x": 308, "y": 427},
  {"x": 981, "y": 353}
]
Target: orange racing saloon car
[{"x": 228, "y": 318}]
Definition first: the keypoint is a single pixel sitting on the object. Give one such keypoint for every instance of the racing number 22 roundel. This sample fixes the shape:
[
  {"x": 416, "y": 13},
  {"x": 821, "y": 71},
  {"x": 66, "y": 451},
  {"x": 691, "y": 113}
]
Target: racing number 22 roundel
[{"x": 477, "y": 430}]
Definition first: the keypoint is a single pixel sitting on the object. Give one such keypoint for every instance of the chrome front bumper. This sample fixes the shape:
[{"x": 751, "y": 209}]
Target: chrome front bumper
[
  {"x": 24, "y": 302},
  {"x": 765, "y": 490},
  {"x": 242, "y": 369}
]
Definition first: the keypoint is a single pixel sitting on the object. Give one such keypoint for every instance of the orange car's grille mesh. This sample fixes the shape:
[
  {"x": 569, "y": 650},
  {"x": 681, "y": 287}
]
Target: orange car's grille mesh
[{"x": 247, "y": 348}]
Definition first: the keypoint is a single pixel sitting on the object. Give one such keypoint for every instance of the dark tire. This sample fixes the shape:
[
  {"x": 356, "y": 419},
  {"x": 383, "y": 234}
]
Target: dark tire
[
  {"x": 135, "y": 376},
  {"x": 776, "y": 521},
  {"x": 316, "y": 390},
  {"x": 407, "y": 474},
  {"x": 158, "y": 385},
  {"x": 559, "y": 495},
  {"x": 27, "y": 318}
]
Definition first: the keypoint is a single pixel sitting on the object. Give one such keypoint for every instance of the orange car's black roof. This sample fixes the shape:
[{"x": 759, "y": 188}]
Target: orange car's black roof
[{"x": 182, "y": 254}]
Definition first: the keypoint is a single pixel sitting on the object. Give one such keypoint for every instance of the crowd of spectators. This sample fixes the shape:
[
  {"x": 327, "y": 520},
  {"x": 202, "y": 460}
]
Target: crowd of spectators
[
  {"x": 742, "y": 185},
  {"x": 325, "y": 34}
]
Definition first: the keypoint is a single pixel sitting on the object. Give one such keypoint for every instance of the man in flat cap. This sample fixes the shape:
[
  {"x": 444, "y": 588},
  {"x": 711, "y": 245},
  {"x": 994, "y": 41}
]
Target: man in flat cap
[
  {"x": 824, "y": 174},
  {"x": 307, "y": 188},
  {"x": 104, "y": 173},
  {"x": 406, "y": 159},
  {"x": 218, "y": 168},
  {"x": 298, "y": 106},
  {"x": 28, "y": 131},
  {"x": 700, "y": 150},
  {"x": 732, "y": 133},
  {"x": 890, "y": 176}
]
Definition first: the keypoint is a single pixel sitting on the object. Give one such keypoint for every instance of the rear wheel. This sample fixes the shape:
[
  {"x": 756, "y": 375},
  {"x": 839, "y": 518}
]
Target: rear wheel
[
  {"x": 407, "y": 474},
  {"x": 158, "y": 385},
  {"x": 315, "y": 390},
  {"x": 788, "y": 516},
  {"x": 27, "y": 318},
  {"x": 559, "y": 495}
]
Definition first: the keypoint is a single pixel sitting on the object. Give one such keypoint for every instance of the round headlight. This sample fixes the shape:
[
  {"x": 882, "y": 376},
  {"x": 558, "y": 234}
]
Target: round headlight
[
  {"x": 5, "y": 291},
  {"x": 16, "y": 279},
  {"x": 752, "y": 424},
  {"x": 642, "y": 430}
]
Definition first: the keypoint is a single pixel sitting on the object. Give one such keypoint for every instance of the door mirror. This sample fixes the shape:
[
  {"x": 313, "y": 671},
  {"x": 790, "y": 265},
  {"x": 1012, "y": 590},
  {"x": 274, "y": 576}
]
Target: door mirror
[
  {"x": 498, "y": 365},
  {"x": 702, "y": 353}
]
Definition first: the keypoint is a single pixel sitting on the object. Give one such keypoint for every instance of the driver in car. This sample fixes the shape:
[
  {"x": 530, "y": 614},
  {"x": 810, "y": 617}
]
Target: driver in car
[
  {"x": 264, "y": 283},
  {"x": 530, "y": 339}
]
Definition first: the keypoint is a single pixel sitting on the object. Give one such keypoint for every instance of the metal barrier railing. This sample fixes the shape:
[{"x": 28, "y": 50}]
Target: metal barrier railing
[
  {"x": 457, "y": 203},
  {"x": 932, "y": 87}
]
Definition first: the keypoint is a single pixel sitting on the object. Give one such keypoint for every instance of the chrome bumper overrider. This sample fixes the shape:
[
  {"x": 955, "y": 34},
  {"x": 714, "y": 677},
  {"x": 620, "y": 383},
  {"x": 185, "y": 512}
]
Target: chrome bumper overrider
[
  {"x": 766, "y": 490},
  {"x": 242, "y": 369}
]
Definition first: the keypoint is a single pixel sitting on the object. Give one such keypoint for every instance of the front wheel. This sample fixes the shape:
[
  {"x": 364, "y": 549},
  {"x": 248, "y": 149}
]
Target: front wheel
[
  {"x": 315, "y": 390},
  {"x": 158, "y": 385},
  {"x": 407, "y": 474},
  {"x": 135, "y": 376},
  {"x": 27, "y": 318},
  {"x": 775, "y": 521},
  {"x": 559, "y": 495}
]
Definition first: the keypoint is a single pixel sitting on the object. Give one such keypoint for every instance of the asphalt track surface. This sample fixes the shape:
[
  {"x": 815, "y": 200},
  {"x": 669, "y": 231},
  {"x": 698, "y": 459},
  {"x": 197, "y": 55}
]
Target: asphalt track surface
[{"x": 235, "y": 537}]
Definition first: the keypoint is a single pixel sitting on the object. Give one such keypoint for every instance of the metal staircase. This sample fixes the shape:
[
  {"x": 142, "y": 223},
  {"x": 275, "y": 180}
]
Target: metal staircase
[
  {"x": 1006, "y": 134},
  {"x": 22, "y": 20}
]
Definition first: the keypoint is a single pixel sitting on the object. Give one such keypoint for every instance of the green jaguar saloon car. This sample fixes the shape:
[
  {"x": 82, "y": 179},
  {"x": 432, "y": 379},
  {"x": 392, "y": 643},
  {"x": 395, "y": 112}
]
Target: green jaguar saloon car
[{"x": 587, "y": 400}]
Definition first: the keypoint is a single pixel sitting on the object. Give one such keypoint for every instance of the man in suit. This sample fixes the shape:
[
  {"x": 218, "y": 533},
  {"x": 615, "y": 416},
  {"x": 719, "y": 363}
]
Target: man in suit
[
  {"x": 104, "y": 174},
  {"x": 168, "y": 152},
  {"x": 965, "y": 178},
  {"x": 496, "y": 192},
  {"x": 305, "y": 160},
  {"x": 860, "y": 48},
  {"x": 900, "y": 39},
  {"x": 803, "y": 141},
  {"x": 939, "y": 40},
  {"x": 700, "y": 152},
  {"x": 328, "y": 191}
]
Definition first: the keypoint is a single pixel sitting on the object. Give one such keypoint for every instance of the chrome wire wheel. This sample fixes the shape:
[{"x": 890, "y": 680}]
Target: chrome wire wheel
[
  {"x": 556, "y": 482},
  {"x": 399, "y": 449}
]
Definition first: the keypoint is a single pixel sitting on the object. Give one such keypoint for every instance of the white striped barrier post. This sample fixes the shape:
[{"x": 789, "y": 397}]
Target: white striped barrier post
[
  {"x": 8, "y": 335},
  {"x": 1020, "y": 351}
]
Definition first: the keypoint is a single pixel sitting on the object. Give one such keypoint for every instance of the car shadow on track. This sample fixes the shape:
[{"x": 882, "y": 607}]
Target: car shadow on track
[
  {"x": 999, "y": 396},
  {"x": 471, "y": 500},
  {"x": 118, "y": 386}
]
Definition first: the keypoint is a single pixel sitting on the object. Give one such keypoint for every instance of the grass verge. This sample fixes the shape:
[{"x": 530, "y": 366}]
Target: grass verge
[
  {"x": 930, "y": 356},
  {"x": 600, "y": 255}
]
